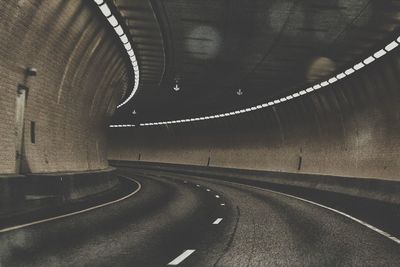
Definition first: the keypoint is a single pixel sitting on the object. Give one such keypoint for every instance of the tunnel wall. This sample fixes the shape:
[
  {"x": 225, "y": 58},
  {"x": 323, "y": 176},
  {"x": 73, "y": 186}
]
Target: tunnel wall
[
  {"x": 23, "y": 194},
  {"x": 81, "y": 76},
  {"x": 350, "y": 129}
]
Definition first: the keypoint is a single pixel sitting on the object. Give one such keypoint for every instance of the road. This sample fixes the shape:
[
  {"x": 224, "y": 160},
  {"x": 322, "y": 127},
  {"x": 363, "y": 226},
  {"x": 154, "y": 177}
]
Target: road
[{"x": 189, "y": 221}]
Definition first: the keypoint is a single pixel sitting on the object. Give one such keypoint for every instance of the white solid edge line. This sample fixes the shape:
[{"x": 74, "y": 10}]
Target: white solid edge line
[
  {"x": 182, "y": 257},
  {"x": 217, "y": 221},
  {"x": 76, "y": 212},
  {"x": 379, "y": 231}
]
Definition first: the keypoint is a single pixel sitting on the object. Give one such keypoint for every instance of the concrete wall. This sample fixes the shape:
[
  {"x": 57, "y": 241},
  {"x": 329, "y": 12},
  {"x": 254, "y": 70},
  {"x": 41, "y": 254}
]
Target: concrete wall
[
  {"x": 23, "y": 194},
  {"x": 81, "y": 76},
  {"x": 351, "y": 128}
]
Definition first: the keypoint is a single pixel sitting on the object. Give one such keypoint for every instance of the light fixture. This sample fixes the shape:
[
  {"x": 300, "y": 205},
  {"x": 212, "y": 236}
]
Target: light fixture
[
  {"x": 391, "y": 46},
  {"x": 105, "y": 10},
  {"x": 124, "y": 39},
  {"x": 119, "y": 30},
  {"x": 358, "y": 66},
  {"x": 113, "y": 21},
  {"x": 324, "y": 83},
  {"x": 380, "y": 53},
  {"x": 331, "y": 80},
  {"x": 340, "y": 75},
  {"x": 369, "y": 60},
  {"x": 349, "y": 71},
  {"x": 128, "y": 46},
  {"x": 30, "y": 71},
  {"x": 176, "y": 88},
  {"x": 131, "y": 54}
]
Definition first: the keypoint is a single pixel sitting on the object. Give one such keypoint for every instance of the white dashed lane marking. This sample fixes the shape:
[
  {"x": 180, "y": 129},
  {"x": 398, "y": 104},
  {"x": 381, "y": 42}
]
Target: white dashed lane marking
[
  {"x": 373, "y": 228},
  {"x": 217, "y": 221},
  {"x": 182, "y": 257}
]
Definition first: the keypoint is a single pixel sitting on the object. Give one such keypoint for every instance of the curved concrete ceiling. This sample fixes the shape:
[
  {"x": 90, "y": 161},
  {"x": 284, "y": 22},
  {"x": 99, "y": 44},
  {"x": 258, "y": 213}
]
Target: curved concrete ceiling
[
  {"x": 114, "y": 20},
  {"x": 147, "y": 42},
  {"x": 267, "y": 49}
]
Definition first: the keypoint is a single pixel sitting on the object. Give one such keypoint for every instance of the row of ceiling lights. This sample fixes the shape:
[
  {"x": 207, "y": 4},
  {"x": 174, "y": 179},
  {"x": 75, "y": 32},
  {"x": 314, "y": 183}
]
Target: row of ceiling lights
[
  {"x": 125, "y": 41},
  {"x": 122, "y": 125},
  {"x": 318, "y": 86}
]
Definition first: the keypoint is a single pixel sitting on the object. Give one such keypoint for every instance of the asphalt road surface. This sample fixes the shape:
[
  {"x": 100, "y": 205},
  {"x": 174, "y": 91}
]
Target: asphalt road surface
[{"x": 179, "y": 220}]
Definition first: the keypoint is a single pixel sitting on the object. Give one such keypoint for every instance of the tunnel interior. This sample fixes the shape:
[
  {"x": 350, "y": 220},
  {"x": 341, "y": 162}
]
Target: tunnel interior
[{"x": 301, "y": 97}]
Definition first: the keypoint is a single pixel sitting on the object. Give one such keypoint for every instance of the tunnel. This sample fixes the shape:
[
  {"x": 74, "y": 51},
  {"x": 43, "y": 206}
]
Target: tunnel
[{"x": 199, "y": 133}]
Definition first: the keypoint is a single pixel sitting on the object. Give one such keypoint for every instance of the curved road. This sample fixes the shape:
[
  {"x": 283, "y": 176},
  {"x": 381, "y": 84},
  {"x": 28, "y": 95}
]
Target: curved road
[{"x": 187, "y": 221}]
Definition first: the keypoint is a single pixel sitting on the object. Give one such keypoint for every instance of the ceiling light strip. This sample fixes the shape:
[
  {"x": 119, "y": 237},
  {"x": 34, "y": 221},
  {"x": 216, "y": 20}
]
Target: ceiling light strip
[
  {"x": 388, "y": 48},
  {"x": 122, "y": 125},
  {"x": 106, "y": 11}
]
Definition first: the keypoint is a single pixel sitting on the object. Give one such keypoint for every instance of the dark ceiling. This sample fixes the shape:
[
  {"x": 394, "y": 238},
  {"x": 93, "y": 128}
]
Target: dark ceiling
[{"x": 266, "y": 48}]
